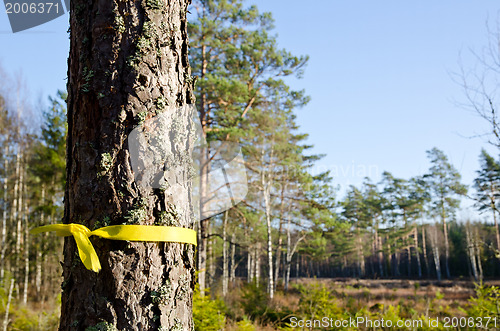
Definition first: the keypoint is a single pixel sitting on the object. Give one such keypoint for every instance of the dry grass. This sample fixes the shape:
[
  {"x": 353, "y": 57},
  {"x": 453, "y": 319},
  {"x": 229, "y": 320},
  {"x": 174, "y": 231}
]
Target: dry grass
[{"x": 373, "y": 293}]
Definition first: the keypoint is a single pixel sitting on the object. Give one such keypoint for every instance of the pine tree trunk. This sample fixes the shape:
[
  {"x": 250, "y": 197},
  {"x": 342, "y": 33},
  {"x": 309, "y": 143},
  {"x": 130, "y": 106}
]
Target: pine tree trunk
[
  {"x": 280, "y": 229},
  {"x": 419, "y": 264},
  {"x": 225, "y": 260},
  {"x": 125, "y": 59},
  {"x": 378, "y": 252},
  {"x": 287, "y": 275},
  {"x": 374, "y": 255},
  {"x": 297, "y": 267},
  {"x": 257, "y": 263},
  {"x": 26, "y": 256},
  {"x": 477, "y": 249},
  {"x": 250, "y": 268},
  {"x": 471, "y": 252},
  {"x": 232, "y": 270},
  {"x": 424, "y": 250},
  {"x": 361, "y": 256},
  {"x": 202, "y": 256},
  {"x": 497, "y": 233},
  {"x": 267, "y": 197},
  {"x": 396, "y": 263},
  {"x": 408, "y": 251},
  {"x": 380, "y": 256},
  {"x": 446, "y": 245},
  {"x": 288, "y": 254},
  {"x": 408, "y": 260},
  {"x": 469, "y": 269},
  {"x": 435, "y": 251},
  {"x": 389, "y": 257},
  {"x": 211, "y": 258}
]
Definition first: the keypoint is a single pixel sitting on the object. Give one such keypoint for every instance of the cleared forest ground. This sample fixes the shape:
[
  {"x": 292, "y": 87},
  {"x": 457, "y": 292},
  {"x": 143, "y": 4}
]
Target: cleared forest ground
[
  {"x": 372, "y": 292},
  {"x": 344, "y": 298}
]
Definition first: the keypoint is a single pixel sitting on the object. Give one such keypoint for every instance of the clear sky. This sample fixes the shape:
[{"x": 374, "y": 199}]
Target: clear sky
[{"x": 379, "y": 77}]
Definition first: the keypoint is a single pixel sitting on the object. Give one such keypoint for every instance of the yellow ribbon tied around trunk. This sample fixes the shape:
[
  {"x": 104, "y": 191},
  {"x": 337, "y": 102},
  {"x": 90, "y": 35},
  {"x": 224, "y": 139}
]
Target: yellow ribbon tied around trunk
[{"x": 116, "y": 232}]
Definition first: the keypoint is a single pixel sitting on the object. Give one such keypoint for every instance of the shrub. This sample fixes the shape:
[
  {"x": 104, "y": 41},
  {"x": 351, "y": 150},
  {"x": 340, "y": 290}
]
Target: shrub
[
  {"x": 317, "y": 301},
  {"x": 254, "y": 301},
  {"x": 208, "y": 314},
  {"x": 486, "y": 303},
  {"x": 258, "y": 307},
  {"x": 245, "y": 325}
]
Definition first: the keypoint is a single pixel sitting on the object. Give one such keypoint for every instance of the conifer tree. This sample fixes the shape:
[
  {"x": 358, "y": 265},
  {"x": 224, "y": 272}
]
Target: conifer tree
[
  {"x": 236, "y": 62},
  {"x": 487, "y": 185},
  {"x": 375, "y": 203},
  {"x": 445, "y": 188},
  {"x": 356, "y": 212}
]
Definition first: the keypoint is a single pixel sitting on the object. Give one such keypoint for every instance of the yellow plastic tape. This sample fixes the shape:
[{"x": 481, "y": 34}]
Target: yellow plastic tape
[{"x": 116, "y": 232}]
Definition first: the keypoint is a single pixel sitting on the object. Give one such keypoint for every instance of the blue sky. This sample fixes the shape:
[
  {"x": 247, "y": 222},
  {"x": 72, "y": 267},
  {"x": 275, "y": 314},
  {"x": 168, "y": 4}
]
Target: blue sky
[{"x": 379, "y": 77}]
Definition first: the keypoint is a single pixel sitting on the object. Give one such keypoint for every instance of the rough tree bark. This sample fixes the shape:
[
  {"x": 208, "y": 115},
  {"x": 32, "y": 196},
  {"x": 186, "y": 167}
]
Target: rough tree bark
[{"x": 128, "y": 61}]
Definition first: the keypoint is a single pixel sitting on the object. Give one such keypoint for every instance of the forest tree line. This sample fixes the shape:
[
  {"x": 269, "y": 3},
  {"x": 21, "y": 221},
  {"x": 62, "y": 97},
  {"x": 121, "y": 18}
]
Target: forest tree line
[{"x": 292, "y": 223}]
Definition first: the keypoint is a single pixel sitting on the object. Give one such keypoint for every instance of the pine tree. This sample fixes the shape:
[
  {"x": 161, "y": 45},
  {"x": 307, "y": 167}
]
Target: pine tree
[
  {"x": 444, "y": 185},
  {"x": 406, "y": 206},
  {"x": 128, "y": 63},
  {"x": 487, "y": 185},
  {"x": 356, "y": 212},
  {"x": 236, "y": 62},
  {"x": 375, "y": 204},
  {"x": 271, "y": 150}
]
